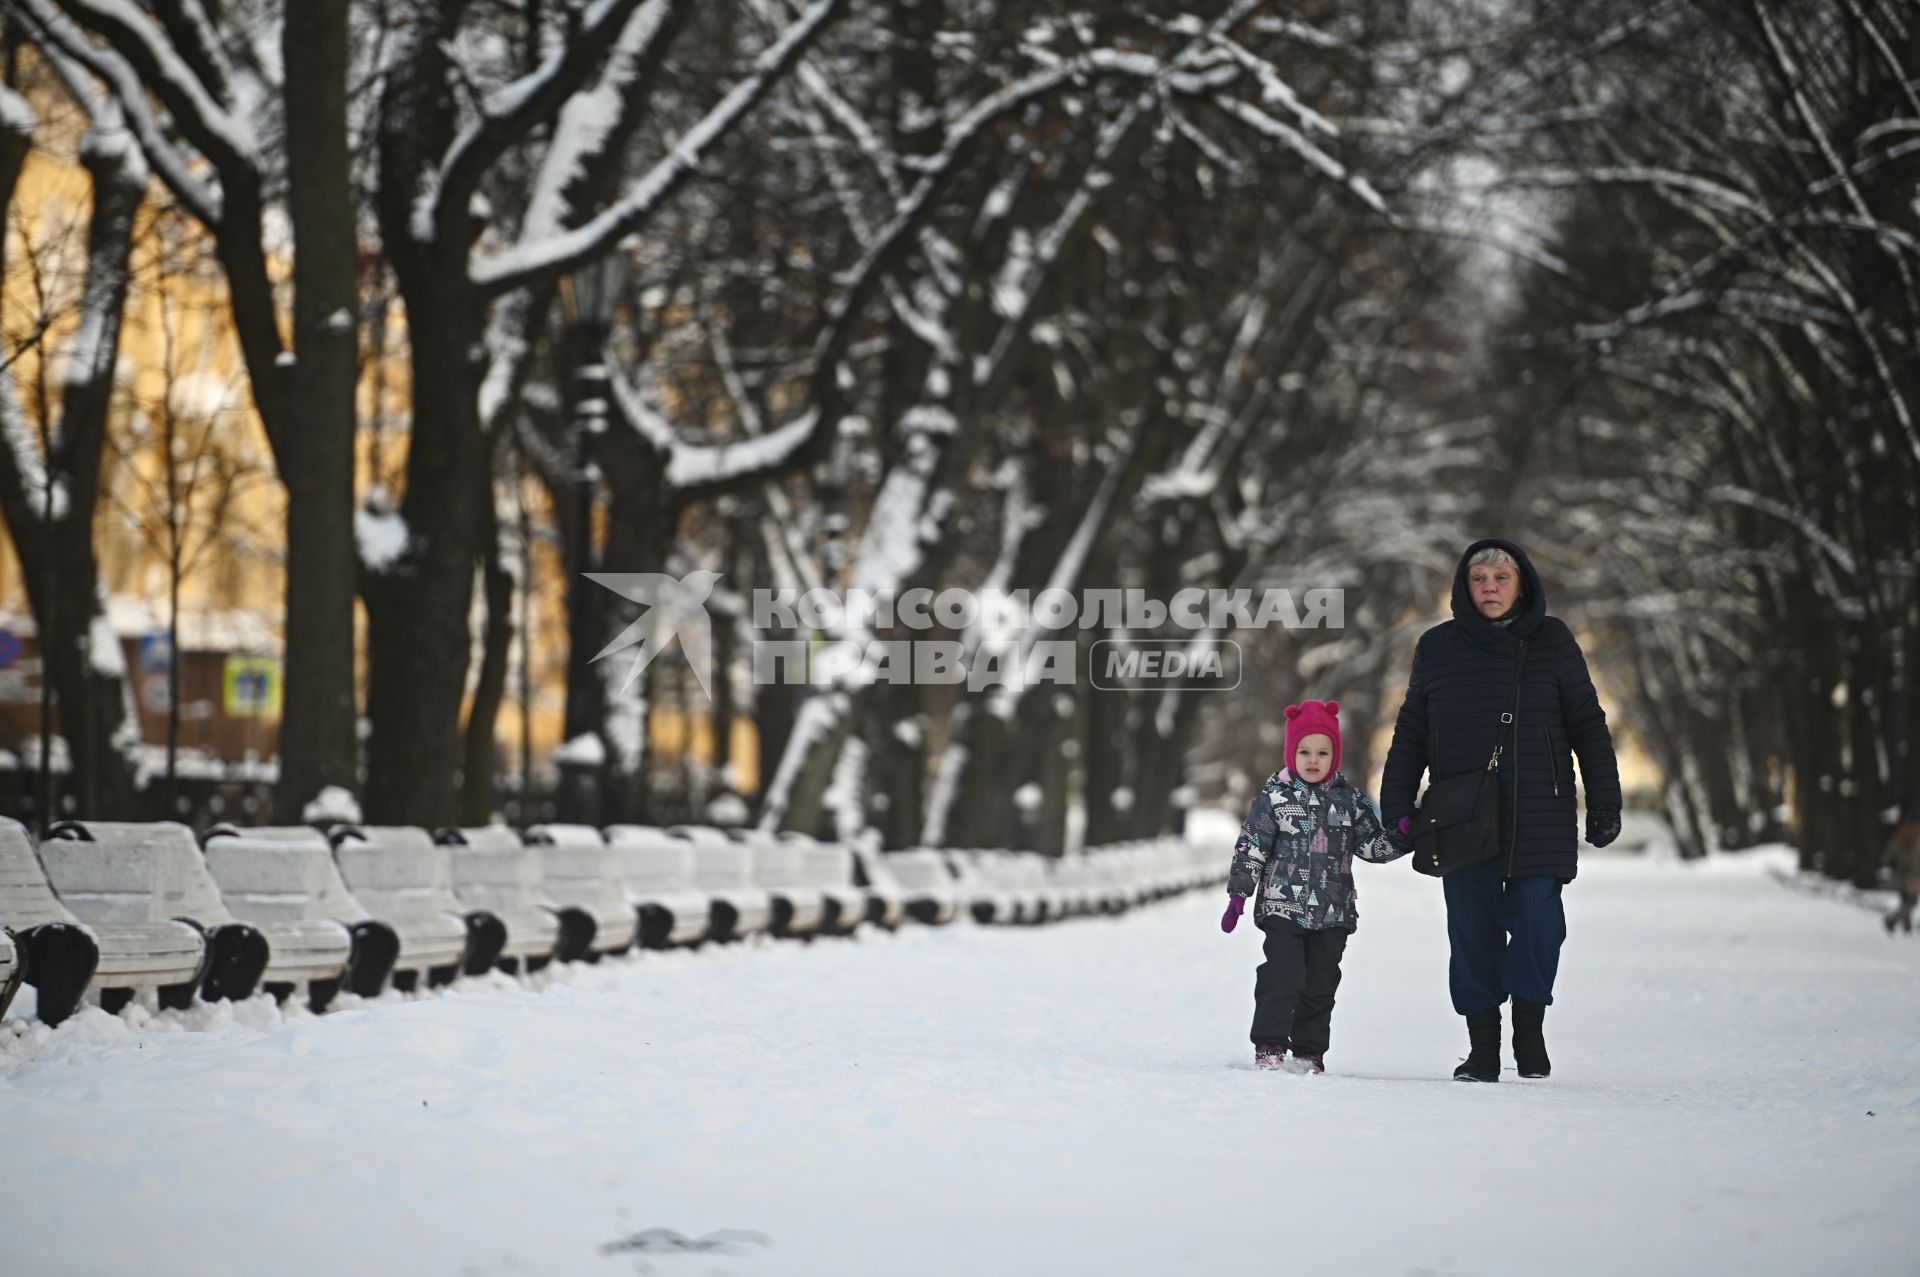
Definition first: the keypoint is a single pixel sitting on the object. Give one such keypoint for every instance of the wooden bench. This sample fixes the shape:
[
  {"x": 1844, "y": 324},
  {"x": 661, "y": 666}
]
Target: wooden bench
[
  {"x": 799, "y": 907},
  {"x": 828, "y": 867},
  {"x": 285, "y": 876},
  {"x": 10, "y": 970},
  {"x": 1008, "y": 887},
  {"x": 886, "y": 897},
  {"x": 657, "y": 870},
  {"x": 124, "y": 873},
  {"x": 399, "y": 875},
  {"x": 1165, "y": 873},
  {"x": 495, "y": 871},
  {"x": 1210, "y": 868},
  {"x": 63, "y": 956},
  {"x": 929, "y": 883},
  {"x": 724, "y": 870},
  {"x": 300, "y": 950},
  {"x": 983, "y": 902},
  {"x": 1147, "y": 870},
  {"x": 583, "y": 873},
  {"x": 1110, "y": 873},
  {"x": 1026, "y": 873},
  {"x": 1075, "y": 879}
]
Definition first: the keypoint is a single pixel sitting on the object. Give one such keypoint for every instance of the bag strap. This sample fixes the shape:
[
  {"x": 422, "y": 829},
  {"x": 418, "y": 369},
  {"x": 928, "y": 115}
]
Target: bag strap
[{"x": 1511, "y": 712}]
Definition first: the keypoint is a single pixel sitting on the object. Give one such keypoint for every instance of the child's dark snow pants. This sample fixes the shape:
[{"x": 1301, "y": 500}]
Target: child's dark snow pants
[
  {"x": 1505, "y": 934},
  {"x": 1293, "y": 988}
]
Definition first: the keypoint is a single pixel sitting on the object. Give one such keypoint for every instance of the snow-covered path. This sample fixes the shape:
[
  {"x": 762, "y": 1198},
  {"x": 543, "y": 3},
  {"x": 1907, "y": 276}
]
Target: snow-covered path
[{"x": 1736, "y": 1088}]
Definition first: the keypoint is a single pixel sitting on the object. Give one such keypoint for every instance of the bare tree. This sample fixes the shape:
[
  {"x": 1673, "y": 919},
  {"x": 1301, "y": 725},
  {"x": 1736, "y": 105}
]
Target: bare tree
[{"x": 50, "y": 466}]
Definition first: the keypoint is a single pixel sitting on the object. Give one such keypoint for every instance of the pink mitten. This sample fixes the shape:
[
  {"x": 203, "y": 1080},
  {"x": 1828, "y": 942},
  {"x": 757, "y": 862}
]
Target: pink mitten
[
  {"x": 1406, "y": 825},
  {"x": 1231, "y": 918}
]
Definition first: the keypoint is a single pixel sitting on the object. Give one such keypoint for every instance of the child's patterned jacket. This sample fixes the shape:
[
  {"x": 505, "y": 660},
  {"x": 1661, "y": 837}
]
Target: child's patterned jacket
[{"x": 1295, "y": 851}]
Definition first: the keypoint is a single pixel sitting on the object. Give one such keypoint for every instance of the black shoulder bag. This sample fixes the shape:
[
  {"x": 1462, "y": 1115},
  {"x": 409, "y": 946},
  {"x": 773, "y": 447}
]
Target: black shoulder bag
[{"x": 1458, "y": 820}]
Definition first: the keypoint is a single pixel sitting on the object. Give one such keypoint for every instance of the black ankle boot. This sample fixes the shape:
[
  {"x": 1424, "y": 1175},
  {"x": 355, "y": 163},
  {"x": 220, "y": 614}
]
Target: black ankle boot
[
  {"x": 1529, "y": 1042},
  {"x": 1483, "y": 1060}
]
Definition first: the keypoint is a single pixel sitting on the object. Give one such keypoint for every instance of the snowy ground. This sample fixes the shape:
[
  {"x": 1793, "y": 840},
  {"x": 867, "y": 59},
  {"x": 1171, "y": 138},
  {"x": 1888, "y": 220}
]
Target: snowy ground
[{"x": 1736, "y": 1089}]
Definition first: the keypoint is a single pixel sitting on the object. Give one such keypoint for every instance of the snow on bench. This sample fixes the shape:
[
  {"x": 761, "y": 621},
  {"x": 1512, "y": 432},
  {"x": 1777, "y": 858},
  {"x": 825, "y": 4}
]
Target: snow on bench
[
  {"x": 1160, "y": 868},
  {"x": 125, "y": 873},
  {"x": 657, "y": 870},
  {"x": 1206, "y": 866},
  {"x": 494, "y": 870},
  {"x": 1131, "y": 872},
  {"x": 886, "y": 897},
  {"x": 299, "y": 950},
  {"x": 1132, "y": 863},
  {"x": 1080, "y": 884},
  {"x": 928, "y": 883},
  {"x": 1170, "y": 866},
  {"x": 63, "y": 956},
  {"x": 724, "y": 870},
  {"x": 304, "y": 861},
  {"x": 401, "y": 877},
  {"x": 1024, "y": 876},
  {"x": 1007, "y": 886},
  {"x": 799, "y": 907},
  {"x": 10, "y": 970},
  {"x": 285, "y": 875},
  {"x": 583, "y": 873},
  {"x": 829, "y": 868}
]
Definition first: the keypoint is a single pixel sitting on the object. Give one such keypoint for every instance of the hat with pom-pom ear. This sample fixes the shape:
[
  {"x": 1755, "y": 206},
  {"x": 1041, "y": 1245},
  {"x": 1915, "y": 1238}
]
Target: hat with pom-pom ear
[{"x": 1308, "y": 718}]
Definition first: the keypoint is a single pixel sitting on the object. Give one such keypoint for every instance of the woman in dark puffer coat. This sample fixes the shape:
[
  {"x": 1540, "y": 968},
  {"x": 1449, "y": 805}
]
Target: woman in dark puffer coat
[{"x": 1505, "y": 923}]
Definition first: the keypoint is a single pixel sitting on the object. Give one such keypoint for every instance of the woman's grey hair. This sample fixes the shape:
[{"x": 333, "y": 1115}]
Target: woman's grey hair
[{"x": 1495, "y": 555}]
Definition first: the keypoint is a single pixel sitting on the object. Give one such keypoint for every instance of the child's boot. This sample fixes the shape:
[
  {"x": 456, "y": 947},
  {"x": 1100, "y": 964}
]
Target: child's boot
[
  {"x": 1306, "y": 1063},
  {"x": 1483, "y": 1059},
  {"x": 1529, "y": 1041},
  {"x": 1269, "y": 1055}
]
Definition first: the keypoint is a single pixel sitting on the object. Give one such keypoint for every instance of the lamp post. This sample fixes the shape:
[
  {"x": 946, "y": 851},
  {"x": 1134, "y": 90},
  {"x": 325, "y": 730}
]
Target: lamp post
[{"x": 589, "y": 298}]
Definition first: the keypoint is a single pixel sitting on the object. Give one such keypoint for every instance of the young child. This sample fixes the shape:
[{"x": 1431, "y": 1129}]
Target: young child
[{"x": 1296, "y": 850}]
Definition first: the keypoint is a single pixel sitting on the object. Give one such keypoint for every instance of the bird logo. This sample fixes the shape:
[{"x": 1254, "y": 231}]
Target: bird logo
[{"x": 671, "y": 607}]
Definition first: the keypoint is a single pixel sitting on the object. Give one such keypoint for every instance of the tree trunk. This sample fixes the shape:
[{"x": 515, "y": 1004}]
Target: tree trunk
[
  {"x": 418, "y": 640},
  {"x": 315, "y": 453},
  {"x": 642, "y": 516},
  {"x": 1106, "y": 762},
  {"x": 897, "y": 763},
  {"x": 80, "y": 657},
  {"x": 477, "y": 764}
]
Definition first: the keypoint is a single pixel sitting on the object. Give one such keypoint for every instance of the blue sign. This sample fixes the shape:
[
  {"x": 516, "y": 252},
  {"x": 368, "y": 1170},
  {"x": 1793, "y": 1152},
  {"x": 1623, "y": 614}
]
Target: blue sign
[
  {"x": 156, "y": 653},
  {"x": 9, "y": 649}
]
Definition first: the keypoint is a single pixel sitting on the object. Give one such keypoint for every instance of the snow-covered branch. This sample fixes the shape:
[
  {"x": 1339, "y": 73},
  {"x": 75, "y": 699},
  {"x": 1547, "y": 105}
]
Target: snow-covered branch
[
  {"x": 209, "y": 124},
  {"x": 60, "y": 40},
  {"x": 509, "y": 113},
  {"x": 531, "y": 260}
]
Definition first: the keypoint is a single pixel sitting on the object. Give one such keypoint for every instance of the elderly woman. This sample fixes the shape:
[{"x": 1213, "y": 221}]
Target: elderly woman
[{"x": 1505, "y": 923}]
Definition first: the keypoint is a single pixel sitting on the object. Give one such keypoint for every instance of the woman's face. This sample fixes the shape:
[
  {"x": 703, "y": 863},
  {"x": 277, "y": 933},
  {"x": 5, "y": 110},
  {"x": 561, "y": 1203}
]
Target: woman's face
[
  {"x": 1494, "y": 587},
  {"x": 1313, "y": 757}
]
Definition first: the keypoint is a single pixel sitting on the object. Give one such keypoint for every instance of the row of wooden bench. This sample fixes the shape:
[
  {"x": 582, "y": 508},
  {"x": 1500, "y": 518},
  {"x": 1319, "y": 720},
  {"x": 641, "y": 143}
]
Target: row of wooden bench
[{"x": 103, "y": 909}]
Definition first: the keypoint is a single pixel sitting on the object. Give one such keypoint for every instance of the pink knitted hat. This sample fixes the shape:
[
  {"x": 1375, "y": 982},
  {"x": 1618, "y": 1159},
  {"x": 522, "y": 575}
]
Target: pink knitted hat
[{"x": 1308, "y": 717}]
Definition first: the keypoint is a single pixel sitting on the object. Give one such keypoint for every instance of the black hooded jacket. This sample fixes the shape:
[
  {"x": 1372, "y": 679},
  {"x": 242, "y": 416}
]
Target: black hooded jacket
[{"x": 1451, "y": 717}]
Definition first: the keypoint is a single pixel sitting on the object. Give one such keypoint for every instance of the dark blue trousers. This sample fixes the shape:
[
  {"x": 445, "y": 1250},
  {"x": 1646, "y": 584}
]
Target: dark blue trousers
[{"x": 1506, "y": 935}]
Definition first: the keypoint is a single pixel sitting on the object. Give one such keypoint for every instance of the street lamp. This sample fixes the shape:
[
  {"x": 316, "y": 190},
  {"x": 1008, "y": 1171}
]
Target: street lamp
[{"x": 589, "y": 298}]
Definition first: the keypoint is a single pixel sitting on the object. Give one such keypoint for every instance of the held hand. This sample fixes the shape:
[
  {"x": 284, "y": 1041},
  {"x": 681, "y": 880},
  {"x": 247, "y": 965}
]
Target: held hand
[
  {"x": 1603, "y": 825},
  {"x": 1406, "y": 826},
  {"x": 1231, "y": 918},
  {"x": 1399, "y": 835}
]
